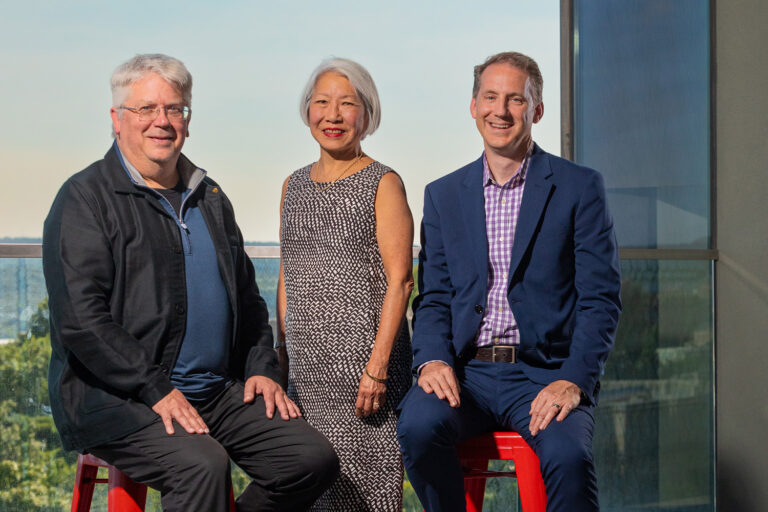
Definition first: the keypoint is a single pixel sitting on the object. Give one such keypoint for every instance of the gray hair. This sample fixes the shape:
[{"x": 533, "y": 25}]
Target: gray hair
[
  {"x": 171, "y": 70},
  {"x": 360, "y": 79},
  {"x": 516, "y": 60}
]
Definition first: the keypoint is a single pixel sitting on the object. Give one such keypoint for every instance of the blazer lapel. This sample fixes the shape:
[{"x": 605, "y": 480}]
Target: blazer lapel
[
  {"x": 535, "y": 197},
  {"x": 473, "y": 206}
]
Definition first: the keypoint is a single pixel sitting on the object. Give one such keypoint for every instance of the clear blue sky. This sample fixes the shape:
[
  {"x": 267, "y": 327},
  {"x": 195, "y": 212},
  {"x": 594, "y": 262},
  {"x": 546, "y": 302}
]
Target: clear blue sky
[{"x": 249, "y": 61}]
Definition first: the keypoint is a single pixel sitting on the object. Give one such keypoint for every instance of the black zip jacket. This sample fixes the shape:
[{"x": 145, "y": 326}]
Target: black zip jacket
[{"x": 114, "y": 269}]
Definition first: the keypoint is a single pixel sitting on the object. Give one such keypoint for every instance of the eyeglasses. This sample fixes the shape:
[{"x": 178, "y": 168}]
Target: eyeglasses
[{"x": 150, "y": 112}]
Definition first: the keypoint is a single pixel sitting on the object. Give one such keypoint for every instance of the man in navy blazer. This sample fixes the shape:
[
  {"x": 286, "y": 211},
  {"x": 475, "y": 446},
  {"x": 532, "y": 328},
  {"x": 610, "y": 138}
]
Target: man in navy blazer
[{"x": 518, "y": 305}]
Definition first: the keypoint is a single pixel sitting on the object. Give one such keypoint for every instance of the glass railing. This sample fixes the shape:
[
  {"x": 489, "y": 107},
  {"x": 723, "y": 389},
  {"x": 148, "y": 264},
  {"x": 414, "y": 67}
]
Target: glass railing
[
  {"x": 654, "y": 435},
  {"x": 35, "y": 473}
]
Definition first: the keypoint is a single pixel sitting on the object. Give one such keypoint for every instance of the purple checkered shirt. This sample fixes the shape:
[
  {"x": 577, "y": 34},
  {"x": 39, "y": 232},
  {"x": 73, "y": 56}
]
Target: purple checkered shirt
[{"x": 502, "y": 206}]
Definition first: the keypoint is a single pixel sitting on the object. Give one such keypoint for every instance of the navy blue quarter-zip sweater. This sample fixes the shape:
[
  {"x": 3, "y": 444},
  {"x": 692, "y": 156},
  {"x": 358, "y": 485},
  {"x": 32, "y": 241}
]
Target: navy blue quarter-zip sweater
[{"x": 201, "y": 368}]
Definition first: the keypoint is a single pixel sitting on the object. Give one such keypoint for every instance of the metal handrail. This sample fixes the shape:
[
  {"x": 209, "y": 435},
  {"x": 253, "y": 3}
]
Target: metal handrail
[{"x": 35, "y": 250}]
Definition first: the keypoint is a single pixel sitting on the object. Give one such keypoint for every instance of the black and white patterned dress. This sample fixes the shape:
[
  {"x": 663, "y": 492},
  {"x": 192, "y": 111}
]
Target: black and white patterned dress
[{"x": 335, "y": 286}]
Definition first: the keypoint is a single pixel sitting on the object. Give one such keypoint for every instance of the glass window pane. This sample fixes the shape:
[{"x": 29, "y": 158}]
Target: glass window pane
[
  {"x": 641, "y": 115},
  {"x": 654, "y": 437},
  {"x": 23, "y": 287},
  {"x": 654, "y": 434},
  {"x": 267, "y": 271},
  {"x": 35, "y": 474}
]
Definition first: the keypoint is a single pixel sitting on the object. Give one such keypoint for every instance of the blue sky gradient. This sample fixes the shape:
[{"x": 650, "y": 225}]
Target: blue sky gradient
[{"x": 249, "y": 61}]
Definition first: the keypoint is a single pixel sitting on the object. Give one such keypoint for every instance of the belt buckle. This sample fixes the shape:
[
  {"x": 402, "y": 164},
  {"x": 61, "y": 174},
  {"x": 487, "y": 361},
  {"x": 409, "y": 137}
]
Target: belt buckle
[{"x": 513, "y": 349}]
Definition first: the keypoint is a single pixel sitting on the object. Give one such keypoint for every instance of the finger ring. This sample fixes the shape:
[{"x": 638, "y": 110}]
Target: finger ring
[
  {"x": 556, "y": 406},
  {"x": 375, "y": 405}
]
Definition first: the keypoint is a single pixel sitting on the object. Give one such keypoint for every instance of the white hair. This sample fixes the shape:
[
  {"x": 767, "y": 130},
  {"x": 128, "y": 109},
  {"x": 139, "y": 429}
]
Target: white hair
[
  {"x": 360, "y": 79},
  {"x": 131, "y": 71},
  {"x": 170, "y": 69}
]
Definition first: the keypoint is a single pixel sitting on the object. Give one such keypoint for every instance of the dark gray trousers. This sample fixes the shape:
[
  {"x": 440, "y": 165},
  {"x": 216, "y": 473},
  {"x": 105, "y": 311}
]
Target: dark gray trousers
[{"x": 291, "y": 464}]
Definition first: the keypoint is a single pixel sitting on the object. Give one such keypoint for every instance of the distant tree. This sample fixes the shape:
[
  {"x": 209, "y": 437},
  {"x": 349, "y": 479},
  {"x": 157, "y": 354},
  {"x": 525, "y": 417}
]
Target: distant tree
[
  {"x": 35, "y": 473},
  {"x": 39, "y": 325}
]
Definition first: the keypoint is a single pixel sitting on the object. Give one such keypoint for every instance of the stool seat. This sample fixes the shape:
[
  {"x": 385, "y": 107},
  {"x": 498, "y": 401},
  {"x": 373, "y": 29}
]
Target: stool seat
[
  {"x": 474, "y": 455},
  {"x": 124, "y": 494}
]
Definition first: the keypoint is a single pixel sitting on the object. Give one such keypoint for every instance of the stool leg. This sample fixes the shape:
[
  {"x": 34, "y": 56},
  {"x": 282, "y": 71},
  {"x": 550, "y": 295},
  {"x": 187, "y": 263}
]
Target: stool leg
[
  {"x": 232, "y": 507},
  {"x": 125, "y": 495},
  {"x": 84, "y": 482},
  {"x": 474, "y": 488},
  {"x": 530, "y": 485}
]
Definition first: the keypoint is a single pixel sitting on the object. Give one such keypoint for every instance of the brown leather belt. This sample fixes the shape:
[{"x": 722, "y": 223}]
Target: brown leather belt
[{"x": 497, "y": 354}]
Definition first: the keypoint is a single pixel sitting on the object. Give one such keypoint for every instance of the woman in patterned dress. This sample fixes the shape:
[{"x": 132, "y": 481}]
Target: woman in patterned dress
[{"x": 345, "y": 279}]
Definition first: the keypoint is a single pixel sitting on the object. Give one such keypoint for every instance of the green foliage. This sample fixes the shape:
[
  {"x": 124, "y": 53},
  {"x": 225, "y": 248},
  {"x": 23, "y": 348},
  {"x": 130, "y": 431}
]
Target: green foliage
[
  {"x": 410, "y": 500},
  {"x": 38, "y": 324},
  {"x": 23, "y": 372},
  {"x": 634, "y": 355},
  {"x": 239, "y": 480},
  {"x": 415, "y": 291},
  {"x": 35, "y": 473}
]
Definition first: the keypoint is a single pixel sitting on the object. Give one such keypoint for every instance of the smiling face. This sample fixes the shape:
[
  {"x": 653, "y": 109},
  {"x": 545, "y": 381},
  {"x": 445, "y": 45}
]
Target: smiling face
[
  {"x": 504, "y": 110},
  {"x": 153, "y": 147},
  {"x": 336, "y": 115}
]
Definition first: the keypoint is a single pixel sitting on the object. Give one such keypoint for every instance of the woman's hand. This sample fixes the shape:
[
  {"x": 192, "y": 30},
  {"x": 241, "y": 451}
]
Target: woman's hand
[
  {"x": 371, "y": 392},
  {"x": 394, "y": 234}
]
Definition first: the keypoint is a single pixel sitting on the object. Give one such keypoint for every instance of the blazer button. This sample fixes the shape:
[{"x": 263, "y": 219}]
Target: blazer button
[
  {"x": 478, "y": 309},
  {"x": 179, "y": 309}
]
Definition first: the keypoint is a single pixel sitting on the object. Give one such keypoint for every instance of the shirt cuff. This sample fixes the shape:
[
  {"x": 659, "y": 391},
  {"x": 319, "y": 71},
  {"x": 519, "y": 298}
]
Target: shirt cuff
[{"x": 418, "y": 370}]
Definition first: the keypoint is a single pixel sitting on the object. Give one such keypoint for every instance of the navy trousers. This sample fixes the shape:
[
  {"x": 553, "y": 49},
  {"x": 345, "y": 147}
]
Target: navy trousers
[{"x": 494, "y": 396}]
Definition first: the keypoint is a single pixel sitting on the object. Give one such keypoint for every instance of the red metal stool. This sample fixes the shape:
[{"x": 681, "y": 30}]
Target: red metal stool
[
  {"x": 475, "y": 454},
  {"x": 125, "y": 495}
]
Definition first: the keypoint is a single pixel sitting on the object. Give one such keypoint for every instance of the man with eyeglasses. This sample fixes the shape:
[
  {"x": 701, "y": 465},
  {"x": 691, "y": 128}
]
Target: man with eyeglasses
[{"x": 162, "y": 360}]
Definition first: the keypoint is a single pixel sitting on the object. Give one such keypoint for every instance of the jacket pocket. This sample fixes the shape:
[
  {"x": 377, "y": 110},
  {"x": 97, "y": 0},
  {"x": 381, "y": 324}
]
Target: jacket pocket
[{"x": 96, "y": 399}]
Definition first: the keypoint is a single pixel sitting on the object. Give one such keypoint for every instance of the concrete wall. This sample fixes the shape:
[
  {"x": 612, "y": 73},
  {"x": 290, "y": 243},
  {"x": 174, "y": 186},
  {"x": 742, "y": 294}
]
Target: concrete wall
[{"x": 741, "y": 283}]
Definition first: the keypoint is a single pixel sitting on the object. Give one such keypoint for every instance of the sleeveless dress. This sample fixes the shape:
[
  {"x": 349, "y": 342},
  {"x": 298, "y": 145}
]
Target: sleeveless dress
[{"x": 335, "y": 286}]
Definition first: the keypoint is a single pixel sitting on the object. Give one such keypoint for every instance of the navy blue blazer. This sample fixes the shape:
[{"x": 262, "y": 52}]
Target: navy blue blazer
[{"x": 563, "y": 275}]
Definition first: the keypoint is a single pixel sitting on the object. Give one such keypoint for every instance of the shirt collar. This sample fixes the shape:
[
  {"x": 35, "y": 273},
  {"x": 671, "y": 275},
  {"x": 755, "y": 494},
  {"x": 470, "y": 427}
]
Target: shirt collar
[
  {"x": 519, "y": 173},
  {"x": 190, "y": 175}
]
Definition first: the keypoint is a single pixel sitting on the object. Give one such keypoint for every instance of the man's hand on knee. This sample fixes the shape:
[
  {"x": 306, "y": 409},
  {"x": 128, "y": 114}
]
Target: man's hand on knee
[
  {"x": 439, "y": 378},
  {"x": 558, "y": 399},
  {"x": 273, "y": 396},
  {"x": 174, "y": 406}
]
